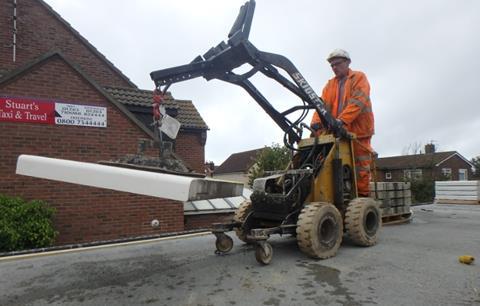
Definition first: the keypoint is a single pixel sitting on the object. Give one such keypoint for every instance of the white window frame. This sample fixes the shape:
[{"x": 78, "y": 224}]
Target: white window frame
[
  {"x": 447, "y": 172},
  {"x": 388, "y": 175},
  {"x": 464, "y": 173},
  {"x": 415, "y": 173}
]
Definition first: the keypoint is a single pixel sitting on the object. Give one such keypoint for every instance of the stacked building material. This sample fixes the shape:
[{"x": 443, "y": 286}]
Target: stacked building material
[
  {"x": 457, "y": 192},
  {"x": 395, "y": 198}
]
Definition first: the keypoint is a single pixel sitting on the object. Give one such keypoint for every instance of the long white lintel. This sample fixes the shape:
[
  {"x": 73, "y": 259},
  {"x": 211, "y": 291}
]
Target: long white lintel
[{"x": 162, "y": 185}]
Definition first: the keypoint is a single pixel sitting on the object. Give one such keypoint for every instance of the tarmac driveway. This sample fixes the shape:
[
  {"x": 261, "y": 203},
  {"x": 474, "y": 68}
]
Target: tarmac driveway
[{"x": 413, "y": 264}]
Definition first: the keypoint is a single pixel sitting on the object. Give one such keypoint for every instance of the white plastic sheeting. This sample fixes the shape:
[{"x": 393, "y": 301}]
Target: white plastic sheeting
[{"x": 446, "y": 191}]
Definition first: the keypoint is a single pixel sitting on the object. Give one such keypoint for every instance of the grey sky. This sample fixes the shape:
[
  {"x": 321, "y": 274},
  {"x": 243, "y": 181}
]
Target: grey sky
[{"x": 421, "y": 58}]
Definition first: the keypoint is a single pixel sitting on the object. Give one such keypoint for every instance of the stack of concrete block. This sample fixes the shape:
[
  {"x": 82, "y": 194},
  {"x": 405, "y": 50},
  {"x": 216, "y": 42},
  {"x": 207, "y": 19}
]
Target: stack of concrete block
[
  {"x": 395, "y": 197},
  {"x": 457, "y": 192}
]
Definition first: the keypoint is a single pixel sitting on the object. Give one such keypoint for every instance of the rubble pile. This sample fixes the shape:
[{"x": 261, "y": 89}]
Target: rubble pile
[{"x": 167, "y": 163}]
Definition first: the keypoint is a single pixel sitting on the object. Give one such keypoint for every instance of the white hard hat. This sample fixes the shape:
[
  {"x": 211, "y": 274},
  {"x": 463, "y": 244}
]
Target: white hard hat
[{"x": 338, "y": 53}]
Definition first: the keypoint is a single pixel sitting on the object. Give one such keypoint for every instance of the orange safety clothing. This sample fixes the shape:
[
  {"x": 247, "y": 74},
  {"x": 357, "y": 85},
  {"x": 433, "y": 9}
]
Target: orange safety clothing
[
  {"x": 357, "y": 116},
  {"x": 363, "y": 159},
  {"x": 356, "y": 109}
]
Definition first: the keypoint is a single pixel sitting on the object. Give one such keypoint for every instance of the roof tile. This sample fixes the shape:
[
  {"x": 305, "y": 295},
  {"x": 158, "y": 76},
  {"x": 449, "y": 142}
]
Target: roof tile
[
  {"x": 187, "y": 114},
  {"x": 238, "y": 162},
  {"x": 412, "y": 161}
]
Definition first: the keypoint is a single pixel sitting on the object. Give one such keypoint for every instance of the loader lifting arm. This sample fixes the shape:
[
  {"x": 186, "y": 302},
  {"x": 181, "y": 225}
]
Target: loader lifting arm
[{"x": 220, "y": 61}]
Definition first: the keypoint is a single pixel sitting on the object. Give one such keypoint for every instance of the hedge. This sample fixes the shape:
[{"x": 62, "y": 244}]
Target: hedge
[{"x": 25, "y": 225}]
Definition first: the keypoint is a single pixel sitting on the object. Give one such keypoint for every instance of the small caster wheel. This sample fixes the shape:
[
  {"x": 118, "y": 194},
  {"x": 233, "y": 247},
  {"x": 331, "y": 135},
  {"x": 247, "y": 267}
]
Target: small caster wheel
[
  {"x": 263, "y": 253},
  {"x": 224, "y": 243}
]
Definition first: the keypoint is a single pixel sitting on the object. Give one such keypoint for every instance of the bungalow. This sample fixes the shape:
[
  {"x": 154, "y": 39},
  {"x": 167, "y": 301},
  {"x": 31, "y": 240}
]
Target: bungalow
[{"x": 438, "y": 166}]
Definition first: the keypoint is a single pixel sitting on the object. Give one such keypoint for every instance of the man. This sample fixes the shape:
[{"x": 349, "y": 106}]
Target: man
[{"x": 347, "y": 97}]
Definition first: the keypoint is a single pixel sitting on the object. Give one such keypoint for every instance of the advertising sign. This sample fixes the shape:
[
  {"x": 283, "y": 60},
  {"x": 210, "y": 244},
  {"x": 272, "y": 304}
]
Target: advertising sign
[
  {"x": 83, "y": 115},
  {"x": 26, "y": 110},
  {"x": 13, "y": 109}
]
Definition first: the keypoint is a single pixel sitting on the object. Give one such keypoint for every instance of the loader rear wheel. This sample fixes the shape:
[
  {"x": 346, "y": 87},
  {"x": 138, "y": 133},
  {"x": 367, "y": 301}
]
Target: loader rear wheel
[
  {"x": 319, "y": 230},
  {"x": 240, "y": 215},
  {"x": 363, "y": 220}
]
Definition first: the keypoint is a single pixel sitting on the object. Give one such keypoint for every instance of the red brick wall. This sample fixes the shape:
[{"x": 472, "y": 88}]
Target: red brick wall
[
  {"x": 38, "y": 32},
  {"x": 190, "y": 148},
  {"x": 83, "y": 213},
  {"x": 454, "y": 163}
]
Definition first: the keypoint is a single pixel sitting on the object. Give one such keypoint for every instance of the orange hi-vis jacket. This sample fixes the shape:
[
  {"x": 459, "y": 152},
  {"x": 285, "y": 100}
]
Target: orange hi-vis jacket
[{"x": 356, "y": 111}]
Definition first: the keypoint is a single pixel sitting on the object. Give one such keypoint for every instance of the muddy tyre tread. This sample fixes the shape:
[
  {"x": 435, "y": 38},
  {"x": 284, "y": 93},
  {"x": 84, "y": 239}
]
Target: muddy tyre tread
[
  {"x": 307, "y": 231},
  {"x": 355, "y": 218},
  {"x": 240, "y": 216}
]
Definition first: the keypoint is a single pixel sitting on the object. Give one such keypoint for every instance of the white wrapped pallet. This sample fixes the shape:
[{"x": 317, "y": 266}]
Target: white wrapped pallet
[{"x": 457, "y": 192}]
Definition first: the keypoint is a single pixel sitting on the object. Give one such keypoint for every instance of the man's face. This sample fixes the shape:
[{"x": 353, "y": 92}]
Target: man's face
[{"x": 340, "y": 66}]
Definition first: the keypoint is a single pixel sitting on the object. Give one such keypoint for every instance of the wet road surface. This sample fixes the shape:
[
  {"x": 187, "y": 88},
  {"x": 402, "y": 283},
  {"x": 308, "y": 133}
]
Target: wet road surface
[{"x": 413, "y": 264}]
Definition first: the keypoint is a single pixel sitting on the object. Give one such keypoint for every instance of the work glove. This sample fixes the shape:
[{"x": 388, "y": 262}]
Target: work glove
[
  {"x": 340, "y": 128},
  {"x": 339, "y": 123}
]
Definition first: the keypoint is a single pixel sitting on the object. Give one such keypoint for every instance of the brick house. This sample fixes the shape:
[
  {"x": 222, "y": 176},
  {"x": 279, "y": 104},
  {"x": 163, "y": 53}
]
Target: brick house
[
  {"x": 439, "y": 166},
  {"x": 190, "y": 145},
  {"x": 237, "y": 166},
  {"x": 442, "y": 165},
  {"x": 52, "y": 63}
]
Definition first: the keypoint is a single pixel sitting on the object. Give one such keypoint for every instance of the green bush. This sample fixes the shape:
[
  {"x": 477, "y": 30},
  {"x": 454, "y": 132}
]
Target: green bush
[
  {"x": 271, "y": 158},
  {"x": 423, "y": 190},
  {"x": 25, "y": 225}
]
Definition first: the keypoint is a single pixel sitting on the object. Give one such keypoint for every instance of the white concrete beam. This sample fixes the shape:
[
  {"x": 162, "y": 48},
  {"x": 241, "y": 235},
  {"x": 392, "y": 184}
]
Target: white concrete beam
[{"x": 161, "y": 185}]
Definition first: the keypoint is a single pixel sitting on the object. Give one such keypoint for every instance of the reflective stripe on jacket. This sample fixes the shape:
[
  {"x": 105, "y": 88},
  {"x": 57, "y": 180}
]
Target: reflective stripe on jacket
[{"x": 356, "y": 106}]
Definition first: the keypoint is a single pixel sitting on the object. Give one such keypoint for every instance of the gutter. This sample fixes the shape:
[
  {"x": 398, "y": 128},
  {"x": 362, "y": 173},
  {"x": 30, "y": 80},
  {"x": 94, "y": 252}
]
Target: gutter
[{"x": 100, "y": 244}]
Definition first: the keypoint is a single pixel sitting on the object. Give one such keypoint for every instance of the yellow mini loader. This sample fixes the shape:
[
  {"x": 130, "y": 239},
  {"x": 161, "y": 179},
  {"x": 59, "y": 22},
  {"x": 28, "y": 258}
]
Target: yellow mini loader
[{"x": 316, "y": 198}]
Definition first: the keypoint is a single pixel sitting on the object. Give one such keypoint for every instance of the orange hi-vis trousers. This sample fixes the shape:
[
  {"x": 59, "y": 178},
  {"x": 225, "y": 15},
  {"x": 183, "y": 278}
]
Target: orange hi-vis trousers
[{"x": 363, "y": 159}]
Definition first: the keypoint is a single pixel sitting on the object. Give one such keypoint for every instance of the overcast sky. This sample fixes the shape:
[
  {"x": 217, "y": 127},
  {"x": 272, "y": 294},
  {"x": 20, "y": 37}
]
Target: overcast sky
[{"x": 421, "y": 58}]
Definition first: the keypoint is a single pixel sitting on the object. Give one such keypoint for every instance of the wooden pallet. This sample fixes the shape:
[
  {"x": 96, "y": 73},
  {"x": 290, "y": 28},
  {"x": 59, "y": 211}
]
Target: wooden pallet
[
  {"x": 396, "y": 215},
  {"x": 461, "y": 202}
]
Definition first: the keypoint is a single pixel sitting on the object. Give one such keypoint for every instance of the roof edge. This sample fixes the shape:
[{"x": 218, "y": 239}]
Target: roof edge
[
  {"x": 86, "y": 42},
  {"x": 457, "y": 154},
  {"x": 22, "y": 70},
  {"x": 170, "y": 99},
  {"x": 13, "y": 74}
]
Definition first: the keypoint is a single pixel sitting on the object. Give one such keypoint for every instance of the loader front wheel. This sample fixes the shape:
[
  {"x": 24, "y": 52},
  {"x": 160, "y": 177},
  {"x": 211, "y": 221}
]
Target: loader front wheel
[
  {"x": 224, "y": 243},
  {"x": 319, "y": 230},
  {"x": 363, "y": 220},
  {"x": 263, "y": 253},
  {"x": 240, "y": 216}
]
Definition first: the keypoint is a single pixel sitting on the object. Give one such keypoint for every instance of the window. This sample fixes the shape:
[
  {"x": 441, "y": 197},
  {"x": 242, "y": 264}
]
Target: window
[
  {"x": 462, "y": 174},
  {"x": 410, "y": 174},
  {"x": 447, "y": 173},
  {"x": 388, "y": 175}
]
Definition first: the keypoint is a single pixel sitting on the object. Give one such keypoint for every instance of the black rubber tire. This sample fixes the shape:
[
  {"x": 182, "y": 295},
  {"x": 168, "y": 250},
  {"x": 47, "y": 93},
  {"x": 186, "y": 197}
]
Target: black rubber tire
[
  {"x": 319, "y": 230},
  {"x": 240, "y": 215},
  {"x": 224, "y": 243},
  {"x": 264, "y": 256},
  {"x": 363, "y": 221}
]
